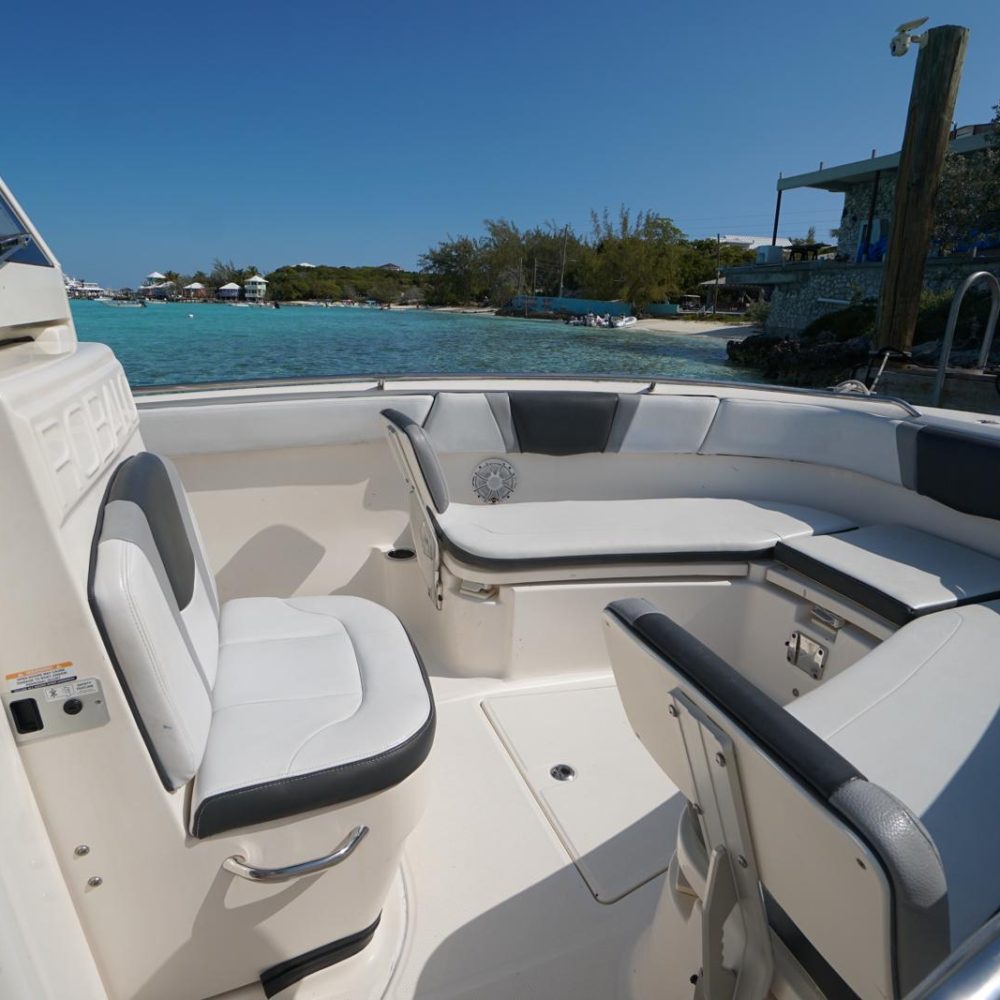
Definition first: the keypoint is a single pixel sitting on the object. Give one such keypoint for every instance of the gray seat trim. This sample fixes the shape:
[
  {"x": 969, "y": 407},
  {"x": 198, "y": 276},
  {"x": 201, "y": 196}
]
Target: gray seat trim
[
  {"x": 906, "y": 852},
  {"x": 624, "y": 414},
  {"x": 430, "y": 466},
  {"x": 145, "y": 481},
  {"x": 911, "y": 860},
  {"x": 563, "y": 423},
  {"x": 207, "y": 579},
  {"x": 499, "y": 403},
  {"x": 959, "y": 469}
]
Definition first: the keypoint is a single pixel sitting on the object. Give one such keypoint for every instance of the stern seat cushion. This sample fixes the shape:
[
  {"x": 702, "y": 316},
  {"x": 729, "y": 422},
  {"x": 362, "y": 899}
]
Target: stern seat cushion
[
  {"x": 319, "y": 700},
  {"x": 898, "y": 572},
  {"x": 562, "y": 532}
]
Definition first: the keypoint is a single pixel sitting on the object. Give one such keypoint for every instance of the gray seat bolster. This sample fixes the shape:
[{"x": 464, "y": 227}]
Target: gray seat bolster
[
  {"x": 921, "y": 933},
  {"x": 427, "y": 459}
]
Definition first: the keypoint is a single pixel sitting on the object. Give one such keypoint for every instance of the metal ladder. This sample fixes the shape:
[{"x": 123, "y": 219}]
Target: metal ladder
[{"x": 949, "y": 332}]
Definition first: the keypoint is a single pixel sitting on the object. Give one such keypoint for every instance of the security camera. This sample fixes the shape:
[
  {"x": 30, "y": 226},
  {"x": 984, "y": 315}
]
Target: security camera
[{"x": 901, "y": 41}]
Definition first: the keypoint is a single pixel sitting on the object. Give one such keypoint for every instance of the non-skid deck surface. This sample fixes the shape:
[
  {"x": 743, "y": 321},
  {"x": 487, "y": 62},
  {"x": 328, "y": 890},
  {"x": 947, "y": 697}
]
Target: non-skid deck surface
[
  {"x": 618, "y": 816},
  {"x": 496, "y": 907}
]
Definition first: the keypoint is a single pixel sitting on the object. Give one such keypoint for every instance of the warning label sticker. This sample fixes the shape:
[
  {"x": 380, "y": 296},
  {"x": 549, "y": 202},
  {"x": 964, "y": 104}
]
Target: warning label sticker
[
  {"x": 39, "y": 677},
  {"x": 73, "y": 689}
]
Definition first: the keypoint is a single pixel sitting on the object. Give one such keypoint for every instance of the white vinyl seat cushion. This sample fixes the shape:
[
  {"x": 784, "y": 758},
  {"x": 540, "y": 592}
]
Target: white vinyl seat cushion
[
  {"x": 920, "y": 715},
  {"x": 317, "y": 700},
  {"x": 898, "y": 572},
  {"x": 566, "y": 531}
]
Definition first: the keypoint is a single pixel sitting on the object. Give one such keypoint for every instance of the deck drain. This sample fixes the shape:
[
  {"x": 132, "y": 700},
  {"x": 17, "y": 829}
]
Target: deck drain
[{"x": 562, "y": 772}]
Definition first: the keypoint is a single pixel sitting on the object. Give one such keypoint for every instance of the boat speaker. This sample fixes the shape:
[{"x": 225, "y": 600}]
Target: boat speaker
[{"x": 494, "y": 480}]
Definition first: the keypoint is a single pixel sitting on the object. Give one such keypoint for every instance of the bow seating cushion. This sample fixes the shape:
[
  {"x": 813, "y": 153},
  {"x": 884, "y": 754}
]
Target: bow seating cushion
[
  {"x": 898, "y": 572},
  {"x": 559, "y": 532}
]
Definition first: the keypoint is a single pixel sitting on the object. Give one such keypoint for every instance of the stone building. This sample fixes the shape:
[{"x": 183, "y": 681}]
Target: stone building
[{"x": 803, "y": 291}]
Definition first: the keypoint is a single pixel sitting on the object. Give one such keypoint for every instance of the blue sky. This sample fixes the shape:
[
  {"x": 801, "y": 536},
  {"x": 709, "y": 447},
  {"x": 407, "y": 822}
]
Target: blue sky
[{"x": 141, "y": 137}]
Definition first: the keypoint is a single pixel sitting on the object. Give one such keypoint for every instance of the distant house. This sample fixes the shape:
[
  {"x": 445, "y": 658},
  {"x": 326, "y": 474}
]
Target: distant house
[
  {"x": 155, "y": 286},
  {"x": 303, "y": 264},
  {"x": 255, "y": 288},
  {"x": 229, "y": 291},
  {"x": 390, "y": 267},
  {"x": 752, "y": 242},
  {"x": 196, "y": 290}
]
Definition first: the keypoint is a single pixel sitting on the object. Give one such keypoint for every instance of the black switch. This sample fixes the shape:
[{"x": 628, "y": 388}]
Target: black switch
[
  {"x": 72, "y": 706},
  {"x": 27, "y": 718}
]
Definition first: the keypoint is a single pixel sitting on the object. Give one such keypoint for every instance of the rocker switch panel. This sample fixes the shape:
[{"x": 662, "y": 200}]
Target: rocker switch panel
[{"x": 71, "y": 706}]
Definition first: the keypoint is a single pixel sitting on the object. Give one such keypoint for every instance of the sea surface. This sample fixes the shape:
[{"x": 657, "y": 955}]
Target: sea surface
[{"x": 183, "y": 343}]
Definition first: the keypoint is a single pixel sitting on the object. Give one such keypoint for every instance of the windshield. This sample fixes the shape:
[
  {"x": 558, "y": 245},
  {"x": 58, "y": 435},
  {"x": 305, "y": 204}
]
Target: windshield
[{"x": 11, "y": 226}]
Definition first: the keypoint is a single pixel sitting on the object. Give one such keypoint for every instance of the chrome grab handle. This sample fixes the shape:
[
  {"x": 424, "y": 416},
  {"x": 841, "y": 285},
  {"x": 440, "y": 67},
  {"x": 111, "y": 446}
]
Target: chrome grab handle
[{"x": 237, "y": 864}]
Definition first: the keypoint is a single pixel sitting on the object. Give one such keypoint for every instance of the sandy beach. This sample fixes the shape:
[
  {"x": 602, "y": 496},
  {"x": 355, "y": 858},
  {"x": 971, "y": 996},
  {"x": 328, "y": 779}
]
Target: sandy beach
[{"x": 695, "y": 328}]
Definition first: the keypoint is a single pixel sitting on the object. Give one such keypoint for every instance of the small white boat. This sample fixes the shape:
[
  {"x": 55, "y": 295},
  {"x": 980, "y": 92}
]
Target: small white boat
[{"x": 621, "y": 322}]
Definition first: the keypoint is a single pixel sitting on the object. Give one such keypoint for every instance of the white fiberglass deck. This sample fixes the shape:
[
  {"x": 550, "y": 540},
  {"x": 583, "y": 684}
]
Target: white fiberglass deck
[{"x": 496, "y": 906}]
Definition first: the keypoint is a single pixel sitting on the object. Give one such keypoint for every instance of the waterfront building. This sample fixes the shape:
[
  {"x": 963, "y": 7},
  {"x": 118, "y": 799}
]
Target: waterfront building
[
  {"x": 229, "y": 291},
  {"x": 196, "y": 290},
  {"x": 803, "y": 286},
  {"x": 155, "y": 286},
  {"x": 255, "y": 289}
]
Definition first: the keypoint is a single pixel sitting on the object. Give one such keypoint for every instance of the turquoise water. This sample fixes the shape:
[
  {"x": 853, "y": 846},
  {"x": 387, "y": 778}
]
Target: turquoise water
[{"x": 161, "y": 345}]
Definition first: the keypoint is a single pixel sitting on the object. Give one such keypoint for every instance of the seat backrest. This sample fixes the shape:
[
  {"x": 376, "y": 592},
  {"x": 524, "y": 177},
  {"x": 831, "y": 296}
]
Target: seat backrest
[
  {"x": 852, "y": 867},
  {"x": 156, "y": 605},
  {"x": 417, "y": 459}
]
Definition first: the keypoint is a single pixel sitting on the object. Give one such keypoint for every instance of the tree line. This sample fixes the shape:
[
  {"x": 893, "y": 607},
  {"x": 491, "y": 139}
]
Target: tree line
[
  {"x": 637, "y": 257},
  {"x": 294, "y": 281}
]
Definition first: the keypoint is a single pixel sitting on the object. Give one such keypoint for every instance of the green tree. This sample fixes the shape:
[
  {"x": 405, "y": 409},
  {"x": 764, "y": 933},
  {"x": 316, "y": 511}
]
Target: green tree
[{"x": 967, "y": 207}]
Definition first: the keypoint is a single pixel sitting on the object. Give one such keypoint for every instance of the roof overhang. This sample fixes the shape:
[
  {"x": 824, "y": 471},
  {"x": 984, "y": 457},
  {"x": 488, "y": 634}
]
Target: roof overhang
[{"x": 846, "y": 175}]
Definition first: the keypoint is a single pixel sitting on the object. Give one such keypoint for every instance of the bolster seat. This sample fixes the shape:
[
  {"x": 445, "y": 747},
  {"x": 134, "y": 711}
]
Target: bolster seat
[
  {"x": 317, "y": 701},
  {"x": 897, "y": 572},
  {"x": 274, "y": 707},
  {"x": 563, "y": 532}
]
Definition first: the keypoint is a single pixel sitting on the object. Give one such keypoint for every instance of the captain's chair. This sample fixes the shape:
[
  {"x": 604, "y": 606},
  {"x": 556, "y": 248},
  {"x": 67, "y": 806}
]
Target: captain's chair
[
  {"x": 268, "y": 708},
  {"x": 779, "y": 827}
]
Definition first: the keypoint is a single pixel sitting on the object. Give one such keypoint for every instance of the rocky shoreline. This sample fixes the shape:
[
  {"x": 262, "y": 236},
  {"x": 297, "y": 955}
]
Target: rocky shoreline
[{"x": 817, "y": 362}]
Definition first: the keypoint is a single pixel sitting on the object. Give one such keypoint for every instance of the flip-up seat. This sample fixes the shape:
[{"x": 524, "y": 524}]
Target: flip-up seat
[
  {"x": 552, "y": 533},
  {"x": 898, "y": 572},
  {"x": 273, "y": 707},
  {"x": 852, "y": 879}
]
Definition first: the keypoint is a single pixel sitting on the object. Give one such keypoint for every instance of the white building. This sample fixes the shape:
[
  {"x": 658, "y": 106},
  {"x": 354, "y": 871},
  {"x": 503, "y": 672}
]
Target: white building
[
  {"x": 196, "y": 290},
  {"x": 229, "y": 291},
  {"x": 255, "y": 288},
  {"x": 752, "y": 242}
]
